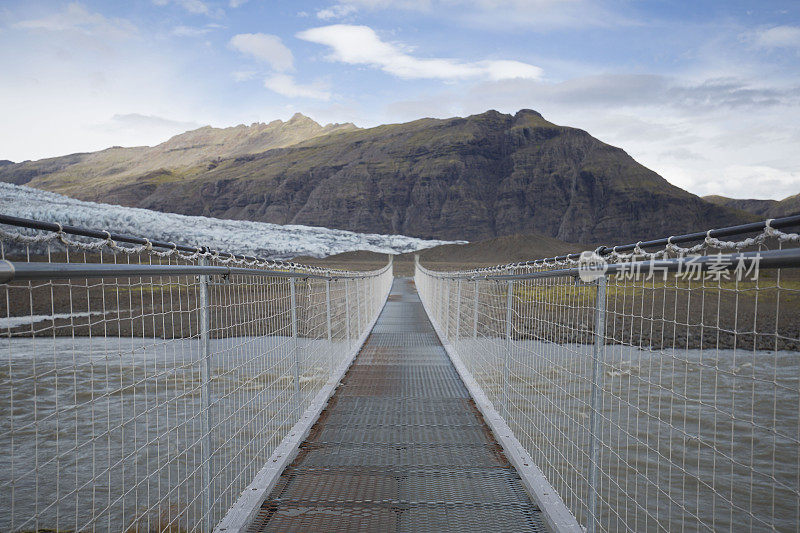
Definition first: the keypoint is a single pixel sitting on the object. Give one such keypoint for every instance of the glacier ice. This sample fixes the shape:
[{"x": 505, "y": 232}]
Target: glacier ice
[{"x": 273, "y": 241}]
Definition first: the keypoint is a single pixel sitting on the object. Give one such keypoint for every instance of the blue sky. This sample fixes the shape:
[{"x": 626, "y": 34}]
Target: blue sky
[{"x": 705, "y": 93}]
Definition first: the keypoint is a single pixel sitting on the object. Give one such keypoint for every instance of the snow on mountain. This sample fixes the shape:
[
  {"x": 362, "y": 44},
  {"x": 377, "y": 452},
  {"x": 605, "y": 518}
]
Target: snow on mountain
[{"x": 237, "y": 236}]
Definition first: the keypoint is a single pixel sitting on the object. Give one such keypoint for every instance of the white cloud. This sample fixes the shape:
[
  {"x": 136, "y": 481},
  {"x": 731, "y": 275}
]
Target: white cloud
[
  {"x": 285, "y": 85},
  {"x": 506, "y": 70},
  {"x": 417, "y": 5},
  {"x": 264, "y": 47},
  {"x": 537, "y": 15},
  {"x": 196, "y": 7},
  {"x": 777, "y": 37},
  {"x": 269, "y": 49},
  {"x": 189, "y": 31},
  {"x": 770, "y": 181},
  {"x": 244, "y": 75},
  {"x": 77, "y": 18},
  {"x": 237, "y": 3},
  {"x": 360, "y": 45},
  {"x": 147, "y": 125},
  {"x": 626, "y": 91},
  {"x": 336, "y": 11}
]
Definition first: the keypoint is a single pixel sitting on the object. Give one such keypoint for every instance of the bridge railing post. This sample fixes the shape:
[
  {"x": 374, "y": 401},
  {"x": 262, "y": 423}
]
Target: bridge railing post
[
  {"x": 347, "y": 311},
  {"x": 328, "y": 321},
  {"x": 447, "y": 309},
  {"x": 594, "y": 401},
  {"x": 442, "y": 307},
  {"x": 295, "y": 351},
  {"x": 205, "y": 394},
  {"x": 475, "y": 315},
  {"x": 437, "y": 301},
  {"x": 458, "y": 309},
  {"x": 369, "y": 299},
  {"x": 507, "y": 361},
  {"x": 358, "y": 310}
]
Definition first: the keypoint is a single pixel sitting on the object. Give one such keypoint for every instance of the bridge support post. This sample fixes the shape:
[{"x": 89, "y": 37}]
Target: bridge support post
[
  {"x": 475, "y": 315},
  {"x": 594, "y": 404},
  {"x": 458, "y": 310},
  {"x": 447, "y": 309},
  {"x": 328, "y": 320},
  {"x": 205, "y": 395},
  {"x": 437, "y": 298},
  {"x": 295, "y": 351},
  {"x": 358, "y": 312},
  {"x": 443, "y": 309},
  {"x": 347, "y": 310},
  {"x": 507, "y": 361},
  {"x": 368, "y": 299}
]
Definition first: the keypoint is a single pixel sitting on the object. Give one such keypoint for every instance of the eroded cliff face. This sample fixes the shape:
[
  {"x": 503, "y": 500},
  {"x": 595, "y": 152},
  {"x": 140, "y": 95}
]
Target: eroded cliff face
[{"x": 463, "y": 178}]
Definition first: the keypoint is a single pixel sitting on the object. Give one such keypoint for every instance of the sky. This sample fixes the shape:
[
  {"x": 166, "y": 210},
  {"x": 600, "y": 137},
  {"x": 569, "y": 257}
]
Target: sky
[{"x": 706, "y": 93}]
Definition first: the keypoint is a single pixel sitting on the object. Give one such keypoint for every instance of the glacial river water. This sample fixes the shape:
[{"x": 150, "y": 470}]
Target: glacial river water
[
  {"x": 689, "y": 437},
  {"x": 105, "y": 433}
]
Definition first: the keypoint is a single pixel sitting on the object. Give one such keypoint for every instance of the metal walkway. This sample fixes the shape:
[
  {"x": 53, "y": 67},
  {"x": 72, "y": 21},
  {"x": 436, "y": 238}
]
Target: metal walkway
[{"x": 400, "y": 447}]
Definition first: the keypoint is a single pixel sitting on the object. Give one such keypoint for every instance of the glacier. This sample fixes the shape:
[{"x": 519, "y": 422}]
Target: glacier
[{"x": 261, "y": 239}]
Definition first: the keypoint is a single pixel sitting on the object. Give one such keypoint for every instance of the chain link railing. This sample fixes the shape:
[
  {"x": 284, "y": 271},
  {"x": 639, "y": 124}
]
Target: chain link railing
[
  {"x": 656, "y": 390},
  {"x": 144, "y": 385}
]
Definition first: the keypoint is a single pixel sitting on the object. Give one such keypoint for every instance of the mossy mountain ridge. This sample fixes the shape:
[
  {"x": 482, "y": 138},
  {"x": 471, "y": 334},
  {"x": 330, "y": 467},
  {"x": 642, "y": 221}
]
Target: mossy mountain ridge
[
  {"x": 203, "y": 146},
  {"x": 761, "y": 208},
  {"x": 472, "y": 178}
]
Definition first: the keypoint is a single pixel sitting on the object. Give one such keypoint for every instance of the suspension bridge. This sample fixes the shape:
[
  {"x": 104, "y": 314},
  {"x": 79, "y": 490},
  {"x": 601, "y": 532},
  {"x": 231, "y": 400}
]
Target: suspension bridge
[{"x": 151, "y": 386}]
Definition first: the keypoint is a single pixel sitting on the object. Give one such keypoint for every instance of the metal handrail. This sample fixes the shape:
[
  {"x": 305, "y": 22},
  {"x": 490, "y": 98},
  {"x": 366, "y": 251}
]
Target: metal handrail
[
  {"x": 18, "y": 271},
  {"x": 789, "y": 257},
  {"x": 85, "y": 232},
  {"x": 776, "y": 223}
]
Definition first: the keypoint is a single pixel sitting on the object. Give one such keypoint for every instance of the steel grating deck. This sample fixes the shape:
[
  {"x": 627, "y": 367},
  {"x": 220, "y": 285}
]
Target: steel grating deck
[{"x": 400, "y": 447}]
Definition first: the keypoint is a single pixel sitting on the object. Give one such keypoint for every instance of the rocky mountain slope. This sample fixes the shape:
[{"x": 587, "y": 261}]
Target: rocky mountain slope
[
  {"x": 761, "y": 208},
  {"x": 202, "y": 147},
  {"x": 471, "y": 178}
]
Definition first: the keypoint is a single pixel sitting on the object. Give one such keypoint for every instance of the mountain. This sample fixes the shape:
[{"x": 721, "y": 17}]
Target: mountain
[
  {"x": 787, "y": 206},
  {"x": 761, "y": 208},
  {"x": 202, "y": 147},
  {"x": 757, "y": 207},
  {"x": 470, "y": 178},
  {"x": 236, "y": 236}
]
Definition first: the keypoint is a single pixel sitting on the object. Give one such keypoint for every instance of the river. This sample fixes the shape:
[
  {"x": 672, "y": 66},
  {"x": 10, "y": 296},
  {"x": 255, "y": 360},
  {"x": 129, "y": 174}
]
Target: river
[{"x": 689, "y": 437}]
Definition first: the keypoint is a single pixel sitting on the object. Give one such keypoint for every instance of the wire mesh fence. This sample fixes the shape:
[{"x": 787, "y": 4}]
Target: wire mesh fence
[
  {"x": 660, "y": 391},
  {"x": 148, "y": 402}
]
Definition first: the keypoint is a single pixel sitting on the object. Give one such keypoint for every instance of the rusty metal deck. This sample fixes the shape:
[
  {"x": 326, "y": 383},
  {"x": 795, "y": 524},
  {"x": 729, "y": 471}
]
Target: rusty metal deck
[{"x": 400, "y": 447}]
